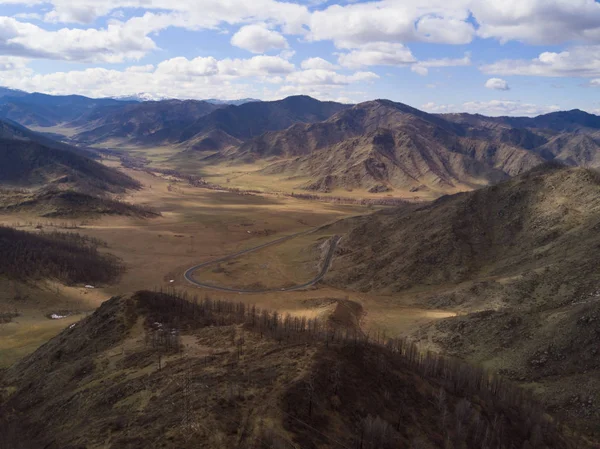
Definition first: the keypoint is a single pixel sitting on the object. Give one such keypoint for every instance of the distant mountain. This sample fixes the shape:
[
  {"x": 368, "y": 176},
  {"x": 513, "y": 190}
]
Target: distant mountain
[
  {"x": 140, "y": 123},
  {"x": 30, "y": 164},
  {"x": 195, "y": 124},
  {"x": 232, "y": 102},
  {"x": 381, "y": 145},
  {"x": 561, "y": 121},
  {"x": 151, "y": 97},
  {"x": 13, "y": 130},
  {"x": 6, "y": 92},
  {"x": 253, "y": 119},
  {"x": 49, "y": 110}
]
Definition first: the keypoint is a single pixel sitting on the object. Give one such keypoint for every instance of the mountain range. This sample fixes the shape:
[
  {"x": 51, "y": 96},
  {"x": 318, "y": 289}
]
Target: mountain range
[{"x": 377, "y": 146}]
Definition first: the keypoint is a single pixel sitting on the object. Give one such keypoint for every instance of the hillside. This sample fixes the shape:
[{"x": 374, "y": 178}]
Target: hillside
[
  {"x": 195, "y": 125},
  {"x": 524, "y": 224},
  {"x": 560, "y": 121},
  {"x": 53, "y": 203},
  {"x": 29, "y": 164},
  {"x": 67, "y": 257},
  {"x": 150, "y": 122},
  {"x": 43, "y": 110},
  {"x": 518, "y": 261},
  {"x": 381, "y": 146},
  {"x": 14, "y": 131},
  {"x": 153, "y": 370}
]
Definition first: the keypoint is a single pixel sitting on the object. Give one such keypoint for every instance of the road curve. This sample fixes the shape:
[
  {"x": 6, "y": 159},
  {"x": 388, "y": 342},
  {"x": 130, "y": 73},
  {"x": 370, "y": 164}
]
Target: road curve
[{"x": 326, "y": 263}]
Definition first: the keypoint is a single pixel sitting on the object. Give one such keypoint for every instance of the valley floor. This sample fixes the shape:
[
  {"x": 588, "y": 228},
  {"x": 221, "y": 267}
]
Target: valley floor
[{"x": 199, "y": 225}]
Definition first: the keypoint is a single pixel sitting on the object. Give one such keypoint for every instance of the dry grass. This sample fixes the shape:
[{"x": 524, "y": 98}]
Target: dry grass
[{"x": 198, "y": 225}]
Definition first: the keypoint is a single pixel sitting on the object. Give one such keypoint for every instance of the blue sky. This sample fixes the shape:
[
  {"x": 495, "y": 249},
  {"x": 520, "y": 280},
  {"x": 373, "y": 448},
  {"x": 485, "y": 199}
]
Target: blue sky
[{"x": 513, "y": 57}]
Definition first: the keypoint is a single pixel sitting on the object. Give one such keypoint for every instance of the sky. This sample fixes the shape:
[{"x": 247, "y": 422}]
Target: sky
[{"x": 494, "y": 57}]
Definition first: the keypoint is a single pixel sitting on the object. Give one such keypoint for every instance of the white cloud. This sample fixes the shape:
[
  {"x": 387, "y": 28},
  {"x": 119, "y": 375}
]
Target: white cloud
[
  {"x": 538, "y": 21},
  {"x": 323, "y": 93},
  {"x": 579, "y": 61},
  {"x": 497, "y": 84},
  {"x": 256, "y": 66},
  {"x": 492, "y": 108},
  {"x": 320, "y": 77},
  {"x": 140, "y": 68},
  {"x": 203, "y": 77},
  {"x": 420, "y": 70},
  {"x": 317, "y": 63},
  {"x": 258, "y": 39},
  {"x": 377, "y": 53},
  {"x": 12, "y": 63},
  {"x": 355, "y": 25},
  {"x": 422, "y": 67},
  {"x": 595, "y": 82},
  {"x": 28, "y": 16},
  {"x": 181, "y": 67},
  {"x": 117, "y": 42},
  {"x": 200, "y": 14}
]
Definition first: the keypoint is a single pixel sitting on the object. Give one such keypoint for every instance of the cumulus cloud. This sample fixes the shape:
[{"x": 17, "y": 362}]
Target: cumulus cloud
[
  {"x": 579, "y": 61},
  {"x": 321, "y": 77},
  {"x": 497, "y": 84},
  {"x": 317, "y": 63},
  {"x": 355, "y": 25},
  {"x": 377, "y": 53},
  {"x": 12, "y": 63},
  {"x": 202, "y": 77},
  {"x": 538, "y": 21},
  {"x": 117, "y": 42},
  {"x": 492, "y": 108},
  {"x": 258, "y": 38},
  {"x": 201, "y": 14},
  {"x": 422, "y": 67}
]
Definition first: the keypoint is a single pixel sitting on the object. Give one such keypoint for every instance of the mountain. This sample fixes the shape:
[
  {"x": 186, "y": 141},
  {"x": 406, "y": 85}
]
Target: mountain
[
  {"x": 517, "y": 261},
  {"x": 381, "y": 145},
  {"x": 151, "y": 97},
  {"x": 31, "y": 164},
  {"x": 53, "y": 202},
  {"x": 197, "y": 124},
  {"x": 253, "y": 119},
  {"x": 6, "y": 92},
  {"x": 560, "y": 121},
  {"x": 233, "y": 102},
  {"x": 499, "y": 231},
  {"x": 155, "y": 370},
  {"x": 139, "y": 123},
  {"x": 43, "y": 110},
  {"x": 14, "y": 131}
]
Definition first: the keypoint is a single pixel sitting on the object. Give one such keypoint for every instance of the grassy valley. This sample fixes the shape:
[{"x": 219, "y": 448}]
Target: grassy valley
[{"x": 458, "y": 306}]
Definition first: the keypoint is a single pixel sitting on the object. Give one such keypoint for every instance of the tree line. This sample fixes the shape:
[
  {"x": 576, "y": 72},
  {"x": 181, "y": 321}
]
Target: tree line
[
  {"x": 512, "y": 406},
  {"x": 68, "y": 257}
]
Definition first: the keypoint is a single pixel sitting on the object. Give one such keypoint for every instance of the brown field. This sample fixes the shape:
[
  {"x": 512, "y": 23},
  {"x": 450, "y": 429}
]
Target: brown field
[{"x": 199, "y": 225}]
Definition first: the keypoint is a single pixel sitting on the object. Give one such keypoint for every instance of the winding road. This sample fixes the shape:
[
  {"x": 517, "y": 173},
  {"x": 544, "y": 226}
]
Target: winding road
[{"x": 326, "y": 263}]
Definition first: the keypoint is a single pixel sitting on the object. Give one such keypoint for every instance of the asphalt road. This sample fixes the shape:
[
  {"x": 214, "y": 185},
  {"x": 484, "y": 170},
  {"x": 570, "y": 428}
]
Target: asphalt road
[{"x": 188, "y": 274}]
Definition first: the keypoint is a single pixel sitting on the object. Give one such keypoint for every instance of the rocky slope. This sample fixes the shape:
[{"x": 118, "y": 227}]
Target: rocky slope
[
  {"x": 381, "y": 145},
  {"x": 523, "y": 224},
  {"x": 197, "y": 124},
  {"x": 153, "y": 370},
  {"x": 43, "y": 110},
  {"x": 148, "y": 122},
  {"x": 517, "y": 260},
  {"x": 30, "y": 164}
]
